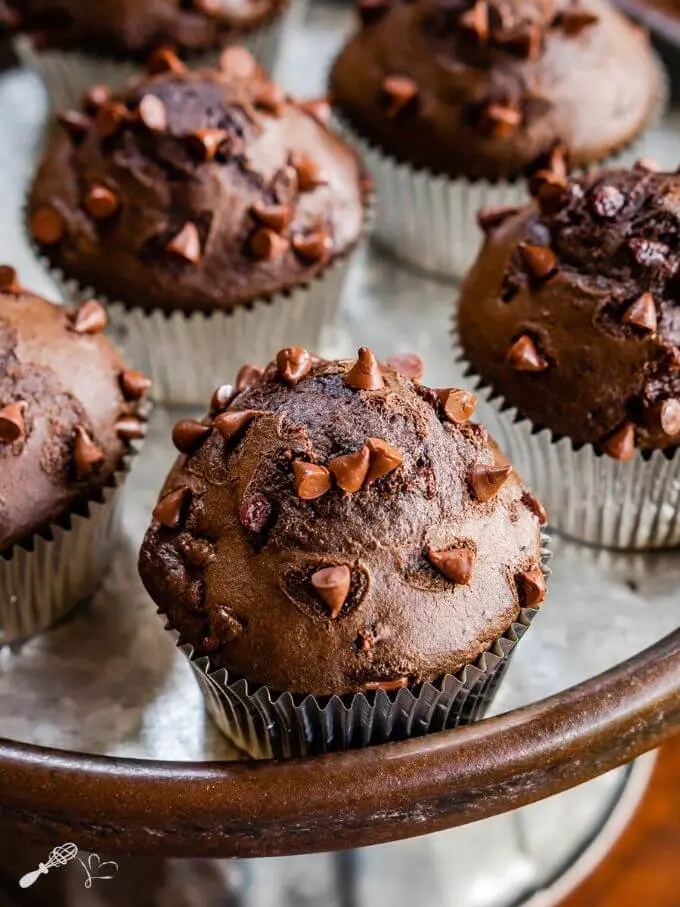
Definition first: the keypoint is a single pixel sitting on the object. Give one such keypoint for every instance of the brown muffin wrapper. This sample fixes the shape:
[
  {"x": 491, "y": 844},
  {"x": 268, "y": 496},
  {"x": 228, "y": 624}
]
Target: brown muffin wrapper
[
  {"x": 589, "y": 497},
  {"x": 429, "y": 222},
  {"x": 45, "y": 577},
  {"x": 268, "y": 725},
  {"x": 68, "y": 74},
  {"x": 187, "y": 355}
]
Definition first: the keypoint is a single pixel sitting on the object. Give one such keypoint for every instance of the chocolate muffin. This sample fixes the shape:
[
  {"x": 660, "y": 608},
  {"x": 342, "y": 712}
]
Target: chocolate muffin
[
  {"x": 202, "y": 192},
  {"x": 459, "y": 101},
  {"x": 336, "y": 528},
  {"x": 76, "y": 43},
  {"x": 570, "y": 315},
  {"x": 68, "y": 415}
]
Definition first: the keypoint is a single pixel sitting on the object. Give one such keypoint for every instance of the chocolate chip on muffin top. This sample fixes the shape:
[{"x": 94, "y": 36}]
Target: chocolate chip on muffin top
[
  {"x": 572, "y": 309},
  {"x": 486, "y": 88},
  {"x": 68, "y": 409},
  {"x": 332, "y": 527},
  {"x": 196, "y": 190}
]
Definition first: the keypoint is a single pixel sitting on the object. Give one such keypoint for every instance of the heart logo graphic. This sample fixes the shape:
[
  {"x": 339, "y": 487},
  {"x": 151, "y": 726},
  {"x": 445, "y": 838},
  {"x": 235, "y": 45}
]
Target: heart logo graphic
[{"x": 98, "y": 870}]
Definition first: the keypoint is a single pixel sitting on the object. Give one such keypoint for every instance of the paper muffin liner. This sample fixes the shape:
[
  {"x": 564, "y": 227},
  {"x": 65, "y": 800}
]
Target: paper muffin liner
[
  {"x": 68, "y": 74},
  {"x": 429, "y": 221},
  {"x": 269, "y": 725},
  {"x": 48, "y": 575},
  {"x": 589, "y": 496}
]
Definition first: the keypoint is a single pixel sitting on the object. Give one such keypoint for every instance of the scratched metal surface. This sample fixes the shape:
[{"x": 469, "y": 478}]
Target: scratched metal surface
[{"x": 110, "y": 681}]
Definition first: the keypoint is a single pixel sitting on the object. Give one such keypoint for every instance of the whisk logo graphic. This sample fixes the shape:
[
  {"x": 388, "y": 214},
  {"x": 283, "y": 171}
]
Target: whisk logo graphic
[{"x": 94, "y": 868}]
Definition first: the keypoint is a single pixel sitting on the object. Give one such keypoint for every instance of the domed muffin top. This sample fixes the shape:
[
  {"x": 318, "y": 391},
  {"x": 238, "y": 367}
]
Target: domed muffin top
[
  {"x": 572, "y": 310},
  {"x": 197, "y": 190},
  {"x": 486, "y": 88},
  {"x": 68, "y": 410},
  {"x": 136, "y": 27},
  {"x": 334, "y": 527}
]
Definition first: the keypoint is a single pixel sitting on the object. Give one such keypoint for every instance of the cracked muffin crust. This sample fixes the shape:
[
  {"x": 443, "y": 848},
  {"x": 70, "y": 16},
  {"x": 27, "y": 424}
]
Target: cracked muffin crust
[{"x": 337, "y": 527}]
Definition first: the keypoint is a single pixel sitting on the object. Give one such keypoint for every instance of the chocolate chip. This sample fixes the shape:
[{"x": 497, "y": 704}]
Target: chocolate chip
[
  {"x": 248, "y": 375},
  {"x": 276, "y": 217},
  {"x": 458, "y": 404},
  {"x": 498, "y": 121},
  {"x": 370, "y": 11},
  {"x": 152, "y": 113},
  {"x": 400, "y": 92},
  {"x": 101, "y": 202},
  {"x": 313, "y": 247},
  {"x": 487, "y": 481},
  {"x": 384, "y": 459},
  {"x": 9, "y": 280},
  {"x": 540, "y": 261},
  {"x": 171, "y": 510},
  {"x": 87, "y": 456},
  {"x": 12, "y": 425},
  {"x": 47, "y": 225},
  {"x": 531, "y": 501},
  {"x": 309, "y": 173},
  {"x": 207, "y": 142},
  {"x": 456, "y": 564},
  {"x": 475, "y": 21},
  {"x": 188, "y": 434},
  {"x": 665, "y": 416},
  {"x": 293, "y": 363},
  {"x": 230, "y": 424},
  {"x": 607, "y": 202},
  {"x": 573, "y": 20},
  {"x": 76, "y": 125},
  {"x": 89, "y": 318},
  {"x": 238, "y": 63},
  {"x": 226, "y": 624},
  {"x": 270, "y": 97},
  {"x": 267, "y": 245},
  {"x": 255, "y": 513},
  {"x": 524, "y": 43},
  {"x": 642, "y": 313},
  {"x": 553, "y": 196},
  {"x": 130, "y": 428},
  {"x": 648, "y": 253},
  {"x": 490, "y": 218},
  {"x": 319, "y": 109},
  {"x": 110, "y": 117},
  {"x": 332, "y": 586},
  {"x": 524, "y": 356},
  {"x": 547, "y": 180},
  {"x": 311, "y": 481},
  {"x": 164, "y": 60},
  {"x": 530, "y": 587},
  {"x": 621, "y": 444},
  {"x": 350, "y": 470},
  {"x": 186, "y": 244},
  {"x": 387, "y": 685},
  {"x": 222, "y": 397},
  {"x": 365, "y": 374},
  {"x": 196, "y": 552},
  {"x": 134, "y": 384},
  {"x": 95, "y": 97},
  {"x": 409, "y": 364}
]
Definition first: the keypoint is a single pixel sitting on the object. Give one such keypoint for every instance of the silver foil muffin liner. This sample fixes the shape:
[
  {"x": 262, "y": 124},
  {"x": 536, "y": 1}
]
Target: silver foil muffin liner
[
  {"x": 67, "y": 75},
  {"x": 48, "y": 575},
  {"x": 429, "y": 222},
  {"x": 589, "y": 496},
  {"x": 268, "y": 725}
]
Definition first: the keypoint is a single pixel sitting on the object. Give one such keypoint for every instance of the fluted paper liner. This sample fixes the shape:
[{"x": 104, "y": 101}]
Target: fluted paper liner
[
  {"x": 68, "y": 74},
  {"x": 268, "y": 725},
  {"x": 44, "y": 578},
  {"x": 589, "y": 496},
  {"x": 429, "y": 221}
]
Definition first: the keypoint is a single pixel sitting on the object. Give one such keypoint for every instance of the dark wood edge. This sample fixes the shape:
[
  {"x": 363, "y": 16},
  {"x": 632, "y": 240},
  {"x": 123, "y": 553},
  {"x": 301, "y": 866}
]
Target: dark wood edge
[{"x": 347, "y": 799}]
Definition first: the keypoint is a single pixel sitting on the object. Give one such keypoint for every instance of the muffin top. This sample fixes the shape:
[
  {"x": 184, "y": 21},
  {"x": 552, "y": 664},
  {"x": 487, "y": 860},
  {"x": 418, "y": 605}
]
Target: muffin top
[
  {"x": 136, "y": 27},
  {"x": 486, "y": 88},
  {"x": 335, "y": 527},
  {"x": 68, "y": 410},
  {"x": 196, "y": 190},
  {"x": 571, "y": 310}
]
